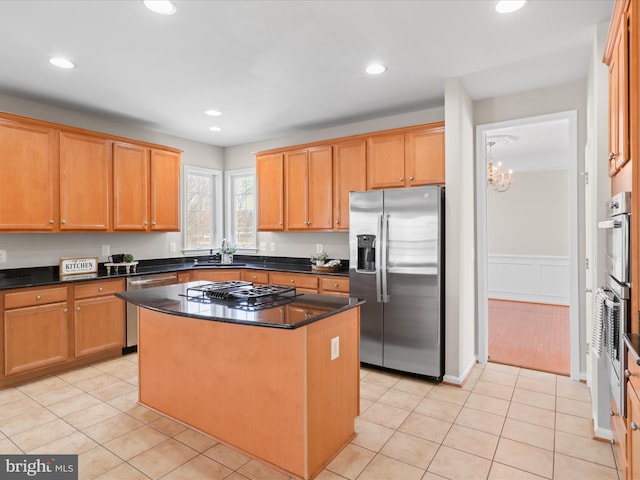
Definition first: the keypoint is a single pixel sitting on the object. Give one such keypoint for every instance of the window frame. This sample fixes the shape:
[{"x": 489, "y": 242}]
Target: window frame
[
  {"x": 229, "y": 175},
  {"x": 217, "y": 211}
]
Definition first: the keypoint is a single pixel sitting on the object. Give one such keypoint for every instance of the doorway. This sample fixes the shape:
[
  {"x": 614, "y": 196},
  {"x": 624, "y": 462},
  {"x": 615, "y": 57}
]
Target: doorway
[{"x": 527, "y": 244}]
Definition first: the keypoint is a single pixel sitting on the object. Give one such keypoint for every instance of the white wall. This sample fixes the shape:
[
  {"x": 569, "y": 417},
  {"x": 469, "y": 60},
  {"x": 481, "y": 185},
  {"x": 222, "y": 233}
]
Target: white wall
[
  {"x": 598, "y": 192},
  {"x": 460, "y": 265},
  {"x": 532, "y": 217},
  {"x": 33, "y": 249}
]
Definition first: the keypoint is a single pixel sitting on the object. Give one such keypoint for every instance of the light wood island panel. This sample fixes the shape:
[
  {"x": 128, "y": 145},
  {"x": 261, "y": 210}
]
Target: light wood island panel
[{"x": 273, "y": 393}]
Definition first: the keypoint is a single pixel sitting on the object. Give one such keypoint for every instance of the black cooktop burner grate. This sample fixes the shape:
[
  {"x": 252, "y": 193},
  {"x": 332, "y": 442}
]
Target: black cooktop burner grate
[{"x": 243, "y": 295}]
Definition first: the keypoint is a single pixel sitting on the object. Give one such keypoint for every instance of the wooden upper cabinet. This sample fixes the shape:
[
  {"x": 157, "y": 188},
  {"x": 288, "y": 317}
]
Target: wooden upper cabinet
[
  {"x": 618, "y": 59},
  {"x": 146, "y": 188},
  {"x": 85, "y": 182},
  {"x": 270, "y": 180},
  {"x": 308, "y": 187},
  {"x": 424, "y": 156},
  {"x": 349, "y": 175},
  {"x": 29, "y": 170},
  {"x": 385, "y": 161},
  {"x": 165, "y": 191},
  {"x": 130, "y": 187}
]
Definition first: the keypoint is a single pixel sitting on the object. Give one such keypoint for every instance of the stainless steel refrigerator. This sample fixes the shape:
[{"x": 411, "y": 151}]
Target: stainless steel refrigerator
[{"x": 397, "y": 265}]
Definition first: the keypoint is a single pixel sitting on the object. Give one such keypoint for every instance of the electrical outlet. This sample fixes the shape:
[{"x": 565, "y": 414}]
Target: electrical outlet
[
  {"x": 335, "y": 348},
  {"x": 106, "y": 250},
  {"x": 172, "y": 247},
  {"x": 263, "y": 246},
  {"x": 273, "y": 246},
  {"x": 3, "y": 256},
  {"x": 319, "y": 248}
]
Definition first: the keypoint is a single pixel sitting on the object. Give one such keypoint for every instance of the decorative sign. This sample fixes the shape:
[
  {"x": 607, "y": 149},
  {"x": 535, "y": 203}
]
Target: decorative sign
[{"x": 82, "y": 267}]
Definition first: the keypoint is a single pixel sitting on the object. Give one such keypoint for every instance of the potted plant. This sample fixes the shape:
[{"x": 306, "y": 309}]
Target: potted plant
[
  {"x": 319, "y": 258},
  {"x": 226, "y": 252}
]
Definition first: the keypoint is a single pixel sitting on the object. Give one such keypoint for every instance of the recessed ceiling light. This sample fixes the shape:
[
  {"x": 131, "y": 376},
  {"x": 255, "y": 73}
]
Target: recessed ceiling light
[
  {"x": 213, "y": 113},
  {"x": 61, "y": 62},
  {"x": 508, "y": 6},
  {"x": 164, "y": 7},
  {"x": 215, "y": 129},
  {"x": 375, "y": 69}
]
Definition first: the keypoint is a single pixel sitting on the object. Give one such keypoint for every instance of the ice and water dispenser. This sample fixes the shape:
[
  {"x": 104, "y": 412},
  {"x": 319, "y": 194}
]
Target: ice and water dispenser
[{"x": 366, "y": 253}]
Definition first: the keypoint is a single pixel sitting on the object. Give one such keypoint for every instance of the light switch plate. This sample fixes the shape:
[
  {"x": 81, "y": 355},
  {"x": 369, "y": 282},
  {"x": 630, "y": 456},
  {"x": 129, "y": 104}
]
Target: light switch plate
[
  {"x": 3, "y": 256},
  {"x": 172, "y": 247},
  {"x": 273, "y": 246},
  {"x": 319, "y": 247},
  {"x": 263, "y": 246}
]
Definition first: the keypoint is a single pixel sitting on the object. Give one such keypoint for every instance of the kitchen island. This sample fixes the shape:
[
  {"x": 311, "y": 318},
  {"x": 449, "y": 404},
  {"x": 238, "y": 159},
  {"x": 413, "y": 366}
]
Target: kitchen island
[{"x": 281, "y": 384}]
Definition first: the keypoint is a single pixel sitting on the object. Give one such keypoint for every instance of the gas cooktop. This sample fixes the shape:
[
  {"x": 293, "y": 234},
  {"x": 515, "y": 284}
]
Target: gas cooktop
[{"x": 242, "y": 295}]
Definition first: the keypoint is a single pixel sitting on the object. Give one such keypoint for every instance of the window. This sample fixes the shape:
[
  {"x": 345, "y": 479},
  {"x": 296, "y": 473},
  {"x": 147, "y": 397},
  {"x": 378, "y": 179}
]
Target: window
[
  {"x": 202, "y": 208},
  {"x": 241, "y": 208}
]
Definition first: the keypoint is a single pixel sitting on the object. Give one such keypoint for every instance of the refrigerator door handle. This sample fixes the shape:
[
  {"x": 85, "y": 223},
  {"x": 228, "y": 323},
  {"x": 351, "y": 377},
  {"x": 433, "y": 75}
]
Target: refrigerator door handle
[
  {"x": 384, "y": 261},
  {"x": 378, "y": 260}
]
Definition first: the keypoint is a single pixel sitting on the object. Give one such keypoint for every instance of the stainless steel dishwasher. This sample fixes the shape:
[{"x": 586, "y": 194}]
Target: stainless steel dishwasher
[{"x": 137, "y": 283}]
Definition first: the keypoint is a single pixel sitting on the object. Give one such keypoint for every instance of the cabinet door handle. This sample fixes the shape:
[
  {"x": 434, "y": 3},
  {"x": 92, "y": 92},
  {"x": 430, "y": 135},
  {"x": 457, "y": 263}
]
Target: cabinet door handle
[
  {"x": 410, "y": 178},
  {"x": 337, "y": 222},
  {"x": 633, "y": 426},
  {"x": 38, "y": 297},
  {"x": 51, "y": 222},
  {"x": 612, "y": 413},
  {"x": 612, "y": 155},
  {"x": 153, "y": 223},
  {"x": 293, "y": 281},
  {"x": 77, "y": 309},
  {"x": 146, "y": 223},
  {"x": 100, "y": 289},
  {"x": 402, "y": 179},
  {"x": 335, "y": 284},
  {"x": 65, "y": 310},
  {"x": 63, "y": 222},
  {"x": 627, "y": 373}
]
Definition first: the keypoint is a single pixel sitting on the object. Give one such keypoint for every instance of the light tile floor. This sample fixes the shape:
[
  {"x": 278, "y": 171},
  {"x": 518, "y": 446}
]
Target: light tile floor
[{"x": 506, "y": 423}]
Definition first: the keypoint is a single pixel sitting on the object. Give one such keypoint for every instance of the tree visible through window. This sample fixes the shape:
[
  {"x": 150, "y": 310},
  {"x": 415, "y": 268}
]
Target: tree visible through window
[
  {"x": 241, "y": 208},
  {"x": 202, "y": 208}
]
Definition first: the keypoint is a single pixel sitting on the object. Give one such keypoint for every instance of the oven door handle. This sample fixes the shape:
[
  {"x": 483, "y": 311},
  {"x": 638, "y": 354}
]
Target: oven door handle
[{"x": 610, "y": 224}]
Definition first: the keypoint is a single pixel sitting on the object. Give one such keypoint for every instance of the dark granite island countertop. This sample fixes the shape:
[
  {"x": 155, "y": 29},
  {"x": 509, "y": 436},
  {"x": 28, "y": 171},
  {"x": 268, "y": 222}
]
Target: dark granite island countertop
[{"x": 302, "y": 309}]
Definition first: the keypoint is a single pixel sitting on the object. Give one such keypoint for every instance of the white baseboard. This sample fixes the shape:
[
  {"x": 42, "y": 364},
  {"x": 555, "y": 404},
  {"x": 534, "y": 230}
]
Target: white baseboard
[
  {"x": 459, "y": 380},
  {"x": 529, "y": 278}
]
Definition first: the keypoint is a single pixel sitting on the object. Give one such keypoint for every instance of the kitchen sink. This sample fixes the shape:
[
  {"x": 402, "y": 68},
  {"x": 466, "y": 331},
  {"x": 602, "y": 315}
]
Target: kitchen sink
[{"x": 218, "y": 264}]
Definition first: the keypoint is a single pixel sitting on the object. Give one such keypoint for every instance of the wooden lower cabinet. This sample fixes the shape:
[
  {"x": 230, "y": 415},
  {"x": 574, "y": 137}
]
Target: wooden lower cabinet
[
  {"x": 215, "y": 275},
  {"x": 633, "y": 439},
  {"x": 301, "y": 281},
  {"x": 334, "y": 285},
  {"x": 35, "y": 337},
  {"x": 184, "y": 277},
  {"x": 99, "y": 319},
  {"x": 255, "y": 276}
]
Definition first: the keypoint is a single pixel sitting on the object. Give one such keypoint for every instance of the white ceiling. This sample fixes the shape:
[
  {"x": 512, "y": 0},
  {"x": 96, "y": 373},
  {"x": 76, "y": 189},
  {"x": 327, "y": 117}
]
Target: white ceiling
[{"x": 276, "y": 68}]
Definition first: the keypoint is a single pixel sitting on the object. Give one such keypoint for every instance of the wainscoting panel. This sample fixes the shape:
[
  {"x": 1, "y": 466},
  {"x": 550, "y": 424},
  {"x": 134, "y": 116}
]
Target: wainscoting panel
[{"x": 529, "y": 278}]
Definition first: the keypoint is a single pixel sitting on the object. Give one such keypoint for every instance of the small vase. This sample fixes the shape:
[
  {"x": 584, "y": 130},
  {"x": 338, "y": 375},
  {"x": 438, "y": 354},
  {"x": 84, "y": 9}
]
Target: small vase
[
  {"x": 319, "y": 262},
  {"x": 227, "y": 258}
]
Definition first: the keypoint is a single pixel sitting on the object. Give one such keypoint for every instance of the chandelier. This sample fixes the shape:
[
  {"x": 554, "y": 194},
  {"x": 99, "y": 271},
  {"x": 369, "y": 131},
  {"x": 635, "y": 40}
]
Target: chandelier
[{"x": 497, "y": 178}]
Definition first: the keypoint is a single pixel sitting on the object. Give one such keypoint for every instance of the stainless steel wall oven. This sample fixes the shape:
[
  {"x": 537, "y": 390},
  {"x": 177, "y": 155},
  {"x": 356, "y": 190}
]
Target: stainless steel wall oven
[{"x": 616, "y": 304}]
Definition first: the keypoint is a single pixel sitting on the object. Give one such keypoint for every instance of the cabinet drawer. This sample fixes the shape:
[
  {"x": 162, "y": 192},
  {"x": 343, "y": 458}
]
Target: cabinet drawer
[
  {"x": 39, "y": 296},
  {"x": 633, "y": 373},
  {"x": 255, "y": 276},
  {"x": 96, "y": 289},
  {"x": 298, "y": 280},
  {"x": 334, "y": 284}
]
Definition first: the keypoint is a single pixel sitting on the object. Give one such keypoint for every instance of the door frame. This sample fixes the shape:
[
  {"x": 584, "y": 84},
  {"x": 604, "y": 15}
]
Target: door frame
[{"x": 482, "y": 339}]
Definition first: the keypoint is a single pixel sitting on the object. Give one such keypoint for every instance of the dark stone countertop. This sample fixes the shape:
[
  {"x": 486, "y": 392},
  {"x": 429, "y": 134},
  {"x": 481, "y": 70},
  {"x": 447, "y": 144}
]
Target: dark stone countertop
[
  {"x": 301, "y": 310},
  {"x": 633, "y": 344},
  {"x": 42, "y": 276}
]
